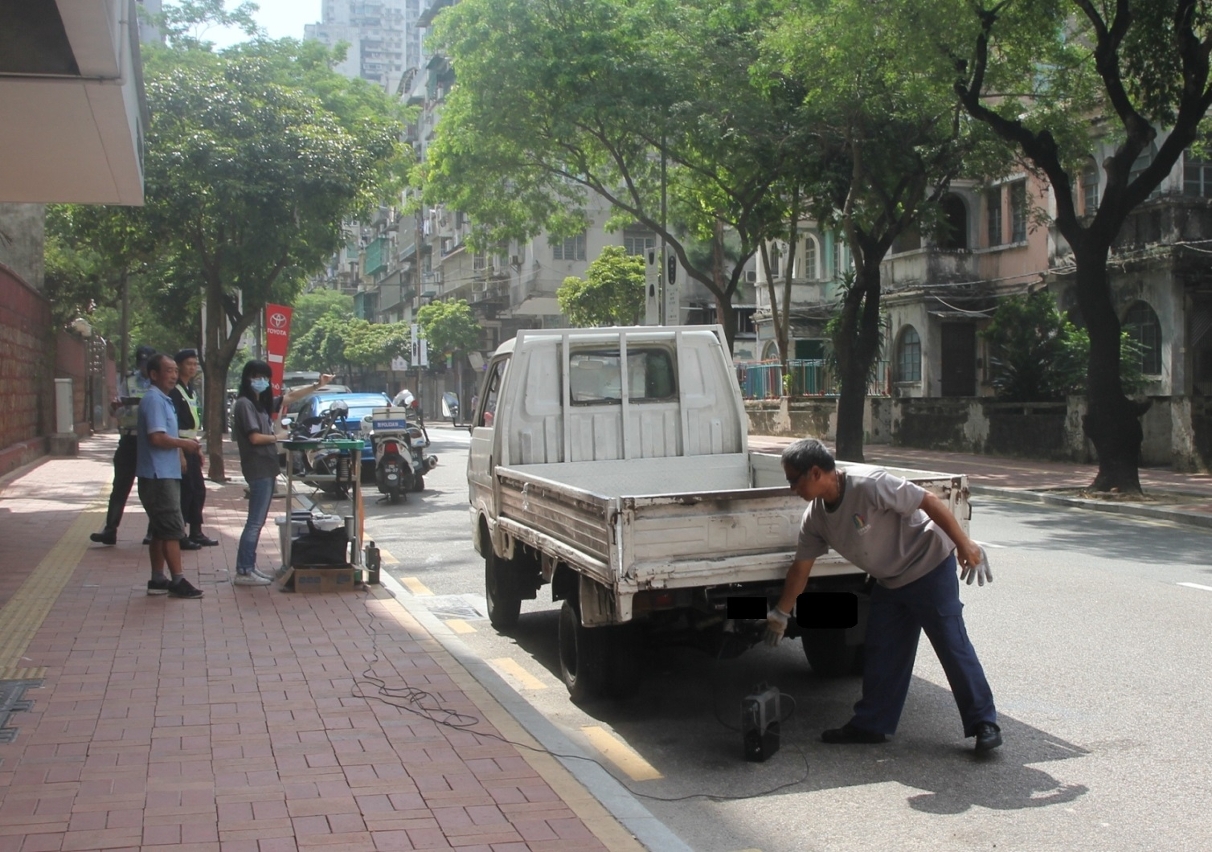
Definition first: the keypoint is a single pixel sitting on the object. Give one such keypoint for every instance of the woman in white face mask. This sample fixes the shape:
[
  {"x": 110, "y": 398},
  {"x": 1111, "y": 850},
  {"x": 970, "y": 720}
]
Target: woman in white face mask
[{"x": 252, "y": 426}]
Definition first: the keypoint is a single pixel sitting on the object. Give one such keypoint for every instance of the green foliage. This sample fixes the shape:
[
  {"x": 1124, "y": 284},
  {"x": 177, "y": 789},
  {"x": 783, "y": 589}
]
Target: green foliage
[
  {"x": 1038, "y": 355},
  {"x": 558, "y": 100},
  {"x": 448, "y": 327},
  {"x": 309, "y": 308},
  {"x": 612, "y": 293}
]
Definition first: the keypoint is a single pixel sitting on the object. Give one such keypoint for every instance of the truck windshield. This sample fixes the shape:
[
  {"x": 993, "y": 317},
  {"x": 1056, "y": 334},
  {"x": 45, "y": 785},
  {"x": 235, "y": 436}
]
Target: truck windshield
[{"x": 596, "y": 379}]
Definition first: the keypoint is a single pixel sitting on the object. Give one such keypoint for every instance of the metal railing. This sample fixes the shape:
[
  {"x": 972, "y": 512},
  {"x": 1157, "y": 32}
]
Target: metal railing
[{"x": 805, "y": 377}]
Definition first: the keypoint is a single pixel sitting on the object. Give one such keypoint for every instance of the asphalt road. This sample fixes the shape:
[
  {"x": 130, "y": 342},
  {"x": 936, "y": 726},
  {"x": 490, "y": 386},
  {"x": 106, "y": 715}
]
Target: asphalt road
[{"x": 1098, "y": 656}]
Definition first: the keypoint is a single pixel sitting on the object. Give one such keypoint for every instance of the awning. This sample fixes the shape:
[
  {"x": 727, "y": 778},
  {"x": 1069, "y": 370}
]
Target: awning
[
  {"x": 536, "y": 306},
  {"x": 72, "y": 105}
]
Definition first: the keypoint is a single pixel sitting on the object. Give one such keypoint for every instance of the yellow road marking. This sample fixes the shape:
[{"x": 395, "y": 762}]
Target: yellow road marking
[
  {"x": 386, "y": 558},
  {"x": 416, "y": 586},
  {"x": 27, "y": 609},
  {"x": 458, "y": 625},
  {"x": 620, "y": 754},
  {"x": 515, "y": 671}
]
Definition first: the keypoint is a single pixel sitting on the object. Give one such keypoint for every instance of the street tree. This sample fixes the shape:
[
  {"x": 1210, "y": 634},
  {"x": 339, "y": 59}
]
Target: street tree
[
  {"x": 309, "y": 308},
  {"x": 558, "y": 100},
  {"x": 889, "y": 139},
  {"x": 254, "y": 157},
  {"x": 611, "y": 293},
  {"x": 1055, "y": 79},
  {"x": 449, "y": 327}
]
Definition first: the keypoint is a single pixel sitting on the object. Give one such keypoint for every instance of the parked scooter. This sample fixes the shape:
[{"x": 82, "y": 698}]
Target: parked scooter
[
  {"x": 450, "y": 407},
  {"x": 324, "y": 461},
  {"x": 399, "y": 447}
]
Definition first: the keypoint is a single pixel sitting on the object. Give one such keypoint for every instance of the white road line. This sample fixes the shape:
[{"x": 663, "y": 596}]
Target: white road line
[{"x": 1197, "y": 586}]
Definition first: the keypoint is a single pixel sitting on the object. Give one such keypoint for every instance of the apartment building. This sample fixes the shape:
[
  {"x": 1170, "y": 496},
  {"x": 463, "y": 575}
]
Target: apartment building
[{"x": 383, "y": 37}]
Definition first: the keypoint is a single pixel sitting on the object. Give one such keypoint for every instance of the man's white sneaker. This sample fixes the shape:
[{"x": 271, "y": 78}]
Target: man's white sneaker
[
  {"x": 267, "y": 575},
  {"x": 250, "y": 580}
]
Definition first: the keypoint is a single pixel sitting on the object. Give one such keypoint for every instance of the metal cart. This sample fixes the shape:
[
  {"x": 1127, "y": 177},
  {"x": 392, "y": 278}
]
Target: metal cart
[{"x": 354, "y": 446}]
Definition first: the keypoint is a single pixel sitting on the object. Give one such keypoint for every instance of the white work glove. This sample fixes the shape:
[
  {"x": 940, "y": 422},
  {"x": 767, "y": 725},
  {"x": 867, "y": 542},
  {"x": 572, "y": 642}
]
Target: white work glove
[
  {"x": 776, "y": 626},
  {"x": 979, "y": 572}
]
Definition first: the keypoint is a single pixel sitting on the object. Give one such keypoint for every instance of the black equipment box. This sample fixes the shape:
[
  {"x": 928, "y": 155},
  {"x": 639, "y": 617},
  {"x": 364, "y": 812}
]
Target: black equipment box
[{"x": 320, "y": 547}]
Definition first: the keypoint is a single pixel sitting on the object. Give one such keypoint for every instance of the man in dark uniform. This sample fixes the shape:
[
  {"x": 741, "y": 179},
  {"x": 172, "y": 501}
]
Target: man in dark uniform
[
  {"x": 125, "y": 406},
  {"x": 189, "y": 418}
]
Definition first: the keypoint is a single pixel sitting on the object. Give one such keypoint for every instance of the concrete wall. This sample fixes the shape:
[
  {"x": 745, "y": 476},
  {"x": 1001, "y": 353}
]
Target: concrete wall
[
  {"x": 22, "y": 230},
  {"x": 1177, "y": 431}
]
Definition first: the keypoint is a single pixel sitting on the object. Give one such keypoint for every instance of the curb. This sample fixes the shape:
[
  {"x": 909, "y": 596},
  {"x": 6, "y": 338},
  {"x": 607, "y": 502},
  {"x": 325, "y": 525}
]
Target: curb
[
  {"x": 1178, "y": 516},
  {"x": 604, "y": 787}
]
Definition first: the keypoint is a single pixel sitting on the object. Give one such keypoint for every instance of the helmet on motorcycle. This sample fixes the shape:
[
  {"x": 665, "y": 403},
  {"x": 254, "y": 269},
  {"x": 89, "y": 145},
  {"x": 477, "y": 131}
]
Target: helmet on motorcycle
[{"x": 339, "y": 408}]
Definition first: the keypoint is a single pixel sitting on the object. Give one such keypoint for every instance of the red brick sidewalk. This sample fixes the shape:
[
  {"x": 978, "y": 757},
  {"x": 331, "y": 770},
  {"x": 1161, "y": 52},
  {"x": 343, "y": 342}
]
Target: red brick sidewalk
[{"x": 238, "y": 722}]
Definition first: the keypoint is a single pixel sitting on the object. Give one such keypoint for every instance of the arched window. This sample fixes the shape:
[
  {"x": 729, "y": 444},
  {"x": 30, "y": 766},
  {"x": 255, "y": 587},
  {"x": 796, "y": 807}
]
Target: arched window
[
  {"x": 809, "y": 260},
  {"x": 953, "y": 235},
  {"x": 1142, "y": 326},
  {"x": 909, "y": 356}
]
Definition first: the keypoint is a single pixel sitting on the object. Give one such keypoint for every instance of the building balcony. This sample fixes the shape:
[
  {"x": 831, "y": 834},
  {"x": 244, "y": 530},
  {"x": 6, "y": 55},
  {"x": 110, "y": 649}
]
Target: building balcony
[
  {"x": 1166, "y": 220},
  {"x": 926, "y": 266}
]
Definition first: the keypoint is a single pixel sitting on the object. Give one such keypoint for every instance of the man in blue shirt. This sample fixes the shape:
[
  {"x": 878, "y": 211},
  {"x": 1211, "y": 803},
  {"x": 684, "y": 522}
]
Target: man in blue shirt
[{"x": 159, "y": 464}]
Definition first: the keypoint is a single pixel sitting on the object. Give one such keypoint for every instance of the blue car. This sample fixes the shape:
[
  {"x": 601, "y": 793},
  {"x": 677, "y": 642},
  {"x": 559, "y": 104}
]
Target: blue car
[{"x": 360, "y": 405}]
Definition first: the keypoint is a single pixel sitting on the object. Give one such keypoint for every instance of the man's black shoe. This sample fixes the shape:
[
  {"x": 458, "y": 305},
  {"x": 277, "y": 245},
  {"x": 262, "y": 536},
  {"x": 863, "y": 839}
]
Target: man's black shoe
[
  {"x": 848, "y": 734},
  {"x": 203, "y": 541},
  {"x": 182, "y": 588},
  {"x": 106, "y": 536},
  {"x": 190, "y": 544},
  {"x": 988, "y": 736}
]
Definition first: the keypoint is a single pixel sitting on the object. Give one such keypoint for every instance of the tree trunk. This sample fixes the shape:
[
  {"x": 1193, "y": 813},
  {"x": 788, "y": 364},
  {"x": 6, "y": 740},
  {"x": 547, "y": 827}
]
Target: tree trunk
[
  {"x": 861, "y": 329},
  {"x": 215, "y": 389},
  {"x": 1112, "y": 422},
  {"x": 726, "y": 316}
]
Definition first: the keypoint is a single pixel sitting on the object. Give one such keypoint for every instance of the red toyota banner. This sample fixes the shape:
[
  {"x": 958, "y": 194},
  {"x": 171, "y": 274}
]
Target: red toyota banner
[{"x": 277, "y": 340}]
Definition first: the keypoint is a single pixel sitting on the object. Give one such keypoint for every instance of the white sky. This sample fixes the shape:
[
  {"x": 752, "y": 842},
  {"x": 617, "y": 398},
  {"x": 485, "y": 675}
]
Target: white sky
[{"x": 280, "y": 19}]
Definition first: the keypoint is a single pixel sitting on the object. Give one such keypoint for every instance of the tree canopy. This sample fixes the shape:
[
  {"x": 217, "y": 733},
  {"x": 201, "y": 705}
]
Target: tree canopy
[
  {"x": 448, "y": 327},
  {"x": 1059, "y": 79},
  {"x": 611, "y": 293}
]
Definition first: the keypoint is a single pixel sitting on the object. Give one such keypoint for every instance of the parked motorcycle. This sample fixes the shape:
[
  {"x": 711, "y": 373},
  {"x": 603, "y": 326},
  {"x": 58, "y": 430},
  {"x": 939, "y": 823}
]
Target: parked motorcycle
[
  {"x": 321, "y": 460},
  {"x": 450, "y": 407},
  {"x": 399, "y": 448}
]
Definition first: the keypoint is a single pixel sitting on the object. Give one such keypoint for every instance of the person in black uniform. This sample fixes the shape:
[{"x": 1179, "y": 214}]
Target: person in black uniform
[
  {"x": 126, "y": 407},
  {"x": 193, "y": 485}
]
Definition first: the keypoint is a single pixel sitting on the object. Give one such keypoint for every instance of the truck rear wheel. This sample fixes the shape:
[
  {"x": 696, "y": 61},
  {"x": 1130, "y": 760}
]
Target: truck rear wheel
[
  {"x": 829, "y": 655},
  {"x": 597, "y": 662},
  {"x": 501, "y": 591}
]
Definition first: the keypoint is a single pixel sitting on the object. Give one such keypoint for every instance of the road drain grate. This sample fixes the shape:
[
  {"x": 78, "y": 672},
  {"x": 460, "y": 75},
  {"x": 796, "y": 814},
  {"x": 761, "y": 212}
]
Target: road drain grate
[
  {"x": 11, "y": 702},
  {"x": 455, "y": 606}
]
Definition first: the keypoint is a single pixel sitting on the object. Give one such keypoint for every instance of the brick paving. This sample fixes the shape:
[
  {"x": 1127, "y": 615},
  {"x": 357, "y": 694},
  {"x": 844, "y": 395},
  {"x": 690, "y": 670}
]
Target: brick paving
[{"x": 238, "y": 722}]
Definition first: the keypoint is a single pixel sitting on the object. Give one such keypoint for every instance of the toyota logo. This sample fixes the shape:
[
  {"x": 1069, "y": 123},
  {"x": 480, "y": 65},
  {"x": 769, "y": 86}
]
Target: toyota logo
[{"x": 277, "y": 320}]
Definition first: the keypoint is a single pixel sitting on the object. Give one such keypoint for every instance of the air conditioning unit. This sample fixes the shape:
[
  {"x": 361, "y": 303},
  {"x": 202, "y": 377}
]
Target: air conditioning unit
[
  {"x": 751, "y": 276},
  {"x": 515, "y": 261}
]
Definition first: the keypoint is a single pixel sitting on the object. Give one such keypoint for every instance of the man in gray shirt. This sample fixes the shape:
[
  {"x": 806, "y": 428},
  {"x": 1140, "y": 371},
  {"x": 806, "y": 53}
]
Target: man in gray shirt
[{"x": 908, "y": 540}]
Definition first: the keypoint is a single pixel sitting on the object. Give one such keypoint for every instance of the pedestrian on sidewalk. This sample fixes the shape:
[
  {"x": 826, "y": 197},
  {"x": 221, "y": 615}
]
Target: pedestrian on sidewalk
[
  {"x": 189, "y": 419},
  {"x": 125, "y": 407},
  {"x": 160, "y": 462},
  {"x": 908, "y": 540},
  {"x": 252, "y": 425}
]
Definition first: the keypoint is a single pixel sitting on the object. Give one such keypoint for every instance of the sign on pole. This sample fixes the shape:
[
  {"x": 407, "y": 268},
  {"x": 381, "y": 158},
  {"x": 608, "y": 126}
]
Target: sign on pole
[{"x": 277, "y": 341}]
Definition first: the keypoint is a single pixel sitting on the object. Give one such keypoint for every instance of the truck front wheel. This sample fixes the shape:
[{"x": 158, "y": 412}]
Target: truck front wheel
[
  {"x": 501, "y": 591},
  {"x": 597, "y": 662},
  {"x": 829, "y": 655}
]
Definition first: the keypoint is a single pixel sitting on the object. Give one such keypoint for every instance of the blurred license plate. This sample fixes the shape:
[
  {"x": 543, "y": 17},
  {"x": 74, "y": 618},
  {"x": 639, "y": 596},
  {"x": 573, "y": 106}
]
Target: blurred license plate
[{"x": 389, "y": 424}]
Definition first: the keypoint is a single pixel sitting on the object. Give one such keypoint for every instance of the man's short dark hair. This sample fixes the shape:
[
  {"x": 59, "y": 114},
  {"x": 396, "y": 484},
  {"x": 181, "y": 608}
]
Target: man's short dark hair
[
  {"x": 156, "y": 362},
  {"x": 805, "y": 454},
  {"x": 185, "y": 355}
]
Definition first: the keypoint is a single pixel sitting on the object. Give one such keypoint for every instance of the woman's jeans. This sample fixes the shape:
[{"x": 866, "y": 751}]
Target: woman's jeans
[{"x": 260, "y": 494}]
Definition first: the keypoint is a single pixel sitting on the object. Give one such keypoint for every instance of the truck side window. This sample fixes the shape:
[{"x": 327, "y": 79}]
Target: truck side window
[
  {"x": 492, "y": 387},
  {"x": 595, "y": 376}
]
